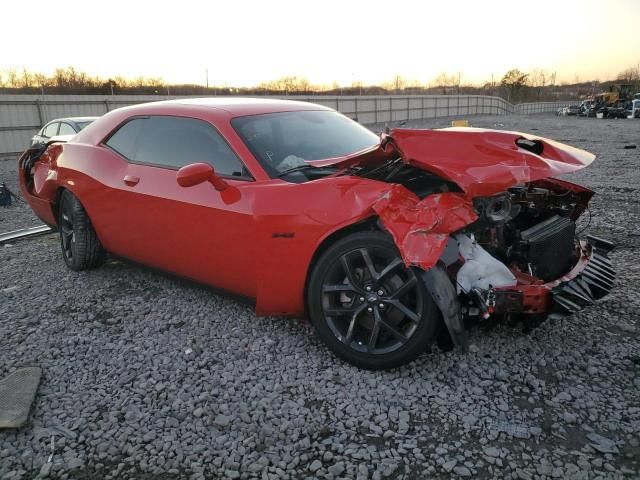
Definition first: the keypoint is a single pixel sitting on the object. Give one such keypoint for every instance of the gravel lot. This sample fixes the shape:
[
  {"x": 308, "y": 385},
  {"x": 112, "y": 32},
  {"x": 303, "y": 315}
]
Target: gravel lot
[{"x": 149, "y": 376}]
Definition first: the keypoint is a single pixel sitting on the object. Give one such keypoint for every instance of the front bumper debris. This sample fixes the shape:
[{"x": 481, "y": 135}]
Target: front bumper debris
[
  {"x": 590, "y": 279},
  {"x": 593, "y": 282}
]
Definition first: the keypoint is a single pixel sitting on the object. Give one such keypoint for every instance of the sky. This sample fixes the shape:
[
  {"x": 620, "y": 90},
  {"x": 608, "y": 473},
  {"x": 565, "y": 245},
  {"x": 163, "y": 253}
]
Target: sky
[{"x": 242, "y": 42}]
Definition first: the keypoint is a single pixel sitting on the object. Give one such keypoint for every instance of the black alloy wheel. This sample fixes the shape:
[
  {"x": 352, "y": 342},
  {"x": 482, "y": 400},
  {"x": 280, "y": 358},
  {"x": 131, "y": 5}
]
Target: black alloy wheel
[
  {"x": 81, "y": 248},
  {"x": 67, "y": 235},
  {"x": 367, "y": 306}
]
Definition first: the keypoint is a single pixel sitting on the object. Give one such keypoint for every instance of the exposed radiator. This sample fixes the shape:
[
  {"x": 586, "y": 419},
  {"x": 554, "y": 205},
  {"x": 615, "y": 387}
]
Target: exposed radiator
[{"x": 549, "y": 247}]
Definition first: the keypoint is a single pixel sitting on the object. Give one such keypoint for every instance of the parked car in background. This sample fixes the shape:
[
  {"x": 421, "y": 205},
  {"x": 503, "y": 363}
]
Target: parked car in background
[
  {"x": 633, "y": 109},
  {"x": 386, "y": 242},
  {"x": 592, "y": 110},
  {"x": 573, "y": 110},
  {"x": 62, "y": 127},
  {"x": 613, "y": 111},
  {"x": 586, "y": 107}
]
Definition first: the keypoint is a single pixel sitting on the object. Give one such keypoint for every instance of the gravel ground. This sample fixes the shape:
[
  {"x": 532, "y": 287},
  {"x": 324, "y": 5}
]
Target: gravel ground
[
  {"x": 19, "y": 215},
  {"x": 149, "y": 376}
]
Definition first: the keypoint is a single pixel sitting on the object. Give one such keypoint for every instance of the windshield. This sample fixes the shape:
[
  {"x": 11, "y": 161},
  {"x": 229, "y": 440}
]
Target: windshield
[{"x": 284, "y": 141}]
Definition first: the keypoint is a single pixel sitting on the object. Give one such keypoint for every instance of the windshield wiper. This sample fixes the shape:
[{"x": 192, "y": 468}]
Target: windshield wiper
[
  {"x": 300, "y": 168},
  {"x": 381, "y": 169}
]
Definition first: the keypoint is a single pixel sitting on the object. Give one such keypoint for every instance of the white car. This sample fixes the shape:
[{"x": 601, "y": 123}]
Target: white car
[{"x": 61, "y": 127}]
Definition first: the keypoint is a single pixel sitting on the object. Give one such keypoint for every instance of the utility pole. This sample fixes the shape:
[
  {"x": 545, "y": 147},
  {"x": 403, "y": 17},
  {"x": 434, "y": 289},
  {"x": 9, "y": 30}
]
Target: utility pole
[{"x": 206, "y": 70}]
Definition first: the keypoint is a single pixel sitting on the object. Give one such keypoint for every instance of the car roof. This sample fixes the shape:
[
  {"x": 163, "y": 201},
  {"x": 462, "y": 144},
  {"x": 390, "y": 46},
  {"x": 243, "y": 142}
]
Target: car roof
[
  {"x": 212, "y": 109},
  {"x": 73, "y": 119},
  {"x": 238, "y": 106}
]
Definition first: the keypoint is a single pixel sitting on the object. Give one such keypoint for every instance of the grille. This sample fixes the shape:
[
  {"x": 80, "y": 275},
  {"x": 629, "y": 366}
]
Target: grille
[{"x": 549, "y": 246}]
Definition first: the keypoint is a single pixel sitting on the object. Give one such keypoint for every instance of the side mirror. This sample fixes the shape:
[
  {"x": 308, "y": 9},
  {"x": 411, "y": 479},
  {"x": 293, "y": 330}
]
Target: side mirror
[{"x": 197, "y": 173}]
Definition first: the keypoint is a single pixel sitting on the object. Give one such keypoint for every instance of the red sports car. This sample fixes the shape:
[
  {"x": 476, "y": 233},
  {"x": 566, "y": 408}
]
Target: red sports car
[{"x": 386, "y": 242}]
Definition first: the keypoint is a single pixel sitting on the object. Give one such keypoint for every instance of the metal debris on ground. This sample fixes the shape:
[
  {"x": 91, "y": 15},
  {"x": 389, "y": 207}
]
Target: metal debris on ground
[
  {"x": 24, "y": 233},
  {"x": 17, "y": 392}
]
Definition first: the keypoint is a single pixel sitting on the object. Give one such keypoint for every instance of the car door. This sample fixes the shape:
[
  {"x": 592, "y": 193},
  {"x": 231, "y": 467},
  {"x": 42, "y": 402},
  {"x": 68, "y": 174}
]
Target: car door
[{"x": 197, "y": 232}]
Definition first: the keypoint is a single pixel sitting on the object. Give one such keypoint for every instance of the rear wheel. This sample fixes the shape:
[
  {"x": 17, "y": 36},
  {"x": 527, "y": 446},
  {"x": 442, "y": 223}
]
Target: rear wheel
[
  {"x": 367, "y": 306},
  {"x": 81, "y": 248}
]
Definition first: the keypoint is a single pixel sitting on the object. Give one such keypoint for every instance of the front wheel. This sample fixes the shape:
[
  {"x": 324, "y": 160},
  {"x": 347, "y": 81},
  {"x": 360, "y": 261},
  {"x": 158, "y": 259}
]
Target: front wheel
[
  {"x": 367, "y": 306},
  {"x": 81, "y": 248}
]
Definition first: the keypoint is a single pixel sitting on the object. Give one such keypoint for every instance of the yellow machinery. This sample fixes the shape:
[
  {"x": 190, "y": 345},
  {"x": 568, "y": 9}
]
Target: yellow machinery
[{"x": 608, "y": 98}]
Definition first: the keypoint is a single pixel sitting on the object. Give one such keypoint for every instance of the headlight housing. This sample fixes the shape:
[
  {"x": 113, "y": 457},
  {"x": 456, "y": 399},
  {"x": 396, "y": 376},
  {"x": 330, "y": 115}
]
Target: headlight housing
[{"x": 496, "y": 210}]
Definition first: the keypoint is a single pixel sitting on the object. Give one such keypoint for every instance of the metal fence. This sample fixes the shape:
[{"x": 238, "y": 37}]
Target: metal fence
[
  {"x": 539, "y": 107},
  {"x": 21, "y": 116}
]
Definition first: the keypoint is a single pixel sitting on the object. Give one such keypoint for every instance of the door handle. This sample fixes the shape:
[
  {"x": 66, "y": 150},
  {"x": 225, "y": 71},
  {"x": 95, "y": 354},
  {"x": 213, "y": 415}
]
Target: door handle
[{"x": 131, "y": 180}]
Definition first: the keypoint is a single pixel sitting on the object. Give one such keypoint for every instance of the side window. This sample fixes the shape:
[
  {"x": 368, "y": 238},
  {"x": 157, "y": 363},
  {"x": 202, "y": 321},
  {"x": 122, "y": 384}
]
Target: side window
[
  {"x": 51, "y": 130},
  {"x": 124, "y": 140},
  {"x": 66, "y": 129},
  {"x": 177, "y": 141}
]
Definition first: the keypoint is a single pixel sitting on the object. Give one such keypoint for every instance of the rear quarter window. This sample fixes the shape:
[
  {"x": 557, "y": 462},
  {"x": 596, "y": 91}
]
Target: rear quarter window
[{"x": 124, "y": 140}]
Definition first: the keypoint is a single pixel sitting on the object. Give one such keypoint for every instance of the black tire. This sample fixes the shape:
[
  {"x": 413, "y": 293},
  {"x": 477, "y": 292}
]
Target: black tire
[
  {"x": 81, "y": 248},
  {"x": 361, "y": 292}
]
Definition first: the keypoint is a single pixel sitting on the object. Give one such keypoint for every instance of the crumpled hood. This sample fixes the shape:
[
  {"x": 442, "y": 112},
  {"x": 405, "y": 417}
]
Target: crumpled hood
[
  {"x": 486, "y": 162},
  {"x": 481, "y": 162}
]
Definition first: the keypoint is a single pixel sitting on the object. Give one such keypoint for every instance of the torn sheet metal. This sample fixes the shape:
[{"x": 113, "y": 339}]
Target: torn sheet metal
[
  {"x": 421, "y": 228},
  {"x": 480, "y": 269}
]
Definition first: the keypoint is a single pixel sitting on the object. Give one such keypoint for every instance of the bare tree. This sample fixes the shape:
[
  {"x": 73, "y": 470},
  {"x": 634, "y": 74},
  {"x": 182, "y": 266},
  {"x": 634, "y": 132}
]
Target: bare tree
[
  {"x": 631, "y": 74},
  {"x": 538, "y": 80},
  {"x": 397, "y": 83},
  {"x": 444, "y": 81},
  {"x": 288, "y": 85}
]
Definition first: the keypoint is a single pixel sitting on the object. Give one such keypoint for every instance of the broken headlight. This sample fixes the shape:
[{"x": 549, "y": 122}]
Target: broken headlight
[{"x": 496, "y": 210}]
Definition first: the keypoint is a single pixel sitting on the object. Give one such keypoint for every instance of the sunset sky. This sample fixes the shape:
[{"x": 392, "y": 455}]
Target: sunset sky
[{"x": 245, "y": 42}]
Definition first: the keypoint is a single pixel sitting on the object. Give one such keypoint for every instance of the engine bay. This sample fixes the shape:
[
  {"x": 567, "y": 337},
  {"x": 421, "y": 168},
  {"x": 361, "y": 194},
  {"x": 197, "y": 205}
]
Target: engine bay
[{"x": 532, "y": 228}]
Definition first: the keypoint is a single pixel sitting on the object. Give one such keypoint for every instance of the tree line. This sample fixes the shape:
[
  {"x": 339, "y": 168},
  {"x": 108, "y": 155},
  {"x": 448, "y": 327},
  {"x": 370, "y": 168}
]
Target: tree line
[{"x": 515, "y": 85}]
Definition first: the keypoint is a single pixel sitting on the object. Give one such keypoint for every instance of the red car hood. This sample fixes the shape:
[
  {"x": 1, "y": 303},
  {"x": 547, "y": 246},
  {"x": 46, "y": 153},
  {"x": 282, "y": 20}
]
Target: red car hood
[{"x": 480, "y": 161}]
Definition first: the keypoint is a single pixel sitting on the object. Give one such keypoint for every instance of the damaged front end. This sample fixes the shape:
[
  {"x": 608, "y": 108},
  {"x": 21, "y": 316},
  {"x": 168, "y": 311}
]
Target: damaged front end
[
  {"x": 501, "y": 245},
  {"x": 530, "y": 263}
]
